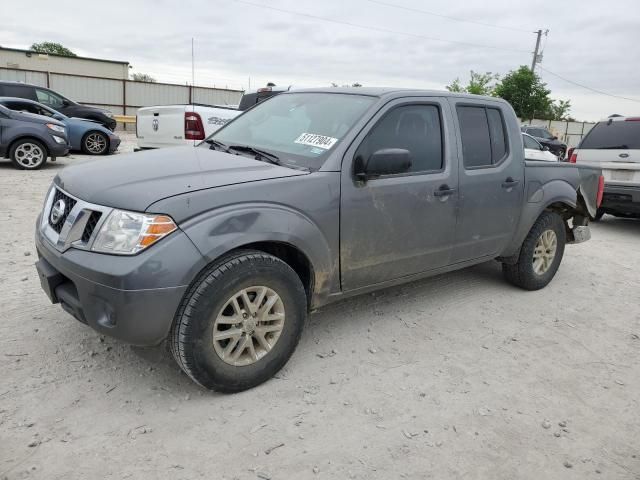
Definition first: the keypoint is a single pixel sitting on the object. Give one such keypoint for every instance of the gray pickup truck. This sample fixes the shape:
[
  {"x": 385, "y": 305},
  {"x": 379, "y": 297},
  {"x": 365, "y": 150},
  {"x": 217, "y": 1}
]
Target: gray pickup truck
[{"x": 307, "y": 198}]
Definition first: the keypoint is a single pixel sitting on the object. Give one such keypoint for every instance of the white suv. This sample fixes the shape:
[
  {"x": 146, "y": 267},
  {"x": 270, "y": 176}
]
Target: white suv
[{"x": 614, "y": 146}]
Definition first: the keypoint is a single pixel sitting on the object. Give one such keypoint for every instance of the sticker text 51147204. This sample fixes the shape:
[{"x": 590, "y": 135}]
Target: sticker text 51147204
[{"x": 314, "y": 140}]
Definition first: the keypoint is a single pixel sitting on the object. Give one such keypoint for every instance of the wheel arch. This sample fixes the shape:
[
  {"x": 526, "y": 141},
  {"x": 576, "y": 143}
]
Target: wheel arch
[
  {"x": 90, "y": 131},
  {"x": 28, "y": 137}
]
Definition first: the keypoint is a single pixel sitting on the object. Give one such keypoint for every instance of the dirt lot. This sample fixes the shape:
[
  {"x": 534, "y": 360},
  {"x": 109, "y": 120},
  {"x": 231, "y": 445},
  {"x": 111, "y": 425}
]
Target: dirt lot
[{"x": 458, "y": 376}]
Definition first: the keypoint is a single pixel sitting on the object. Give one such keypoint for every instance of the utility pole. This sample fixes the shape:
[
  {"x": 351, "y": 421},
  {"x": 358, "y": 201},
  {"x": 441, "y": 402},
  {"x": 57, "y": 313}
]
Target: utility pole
[{"x": 535, "y": 53}]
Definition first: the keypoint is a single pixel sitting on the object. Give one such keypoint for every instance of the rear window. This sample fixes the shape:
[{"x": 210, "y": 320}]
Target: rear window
[
  {"x": 613, "y": 135},
  {"x": 20, "y": 91}
]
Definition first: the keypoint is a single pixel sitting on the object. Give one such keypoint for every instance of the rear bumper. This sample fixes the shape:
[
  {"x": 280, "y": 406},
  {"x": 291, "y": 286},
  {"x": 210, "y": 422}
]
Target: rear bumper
[
  {"x": 623, "y": 199},
  {"x": 133, "y": 299}
]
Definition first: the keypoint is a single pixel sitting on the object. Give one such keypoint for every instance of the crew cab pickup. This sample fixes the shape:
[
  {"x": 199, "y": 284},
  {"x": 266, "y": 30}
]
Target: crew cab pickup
[
  {"x": 173, "y": 125},
  {"x": 307, "y": 198}
]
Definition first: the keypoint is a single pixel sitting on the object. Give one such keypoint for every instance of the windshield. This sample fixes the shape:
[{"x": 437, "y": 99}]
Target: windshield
[
  {"x": 299, "y": 128},
  {"x": 613, "y": 135}
]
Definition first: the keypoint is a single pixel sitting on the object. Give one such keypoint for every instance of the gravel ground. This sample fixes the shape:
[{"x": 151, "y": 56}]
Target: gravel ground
[{"x": 458, "y": 376}]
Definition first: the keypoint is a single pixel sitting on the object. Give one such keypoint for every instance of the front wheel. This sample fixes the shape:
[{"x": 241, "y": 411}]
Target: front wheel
[
  {"x": 95, "y": 143},
  {"x": 540, "y": 255},
  {"x": 28, "y": 154},
  {"x": 239, "y": 322}
]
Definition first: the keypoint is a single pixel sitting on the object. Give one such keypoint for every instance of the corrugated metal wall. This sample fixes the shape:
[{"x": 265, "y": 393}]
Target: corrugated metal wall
[{"x": 121, "y": 96}]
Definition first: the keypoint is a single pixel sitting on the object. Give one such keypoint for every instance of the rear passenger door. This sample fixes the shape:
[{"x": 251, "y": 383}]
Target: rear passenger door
[
  {"x": 397, "y": 225},
  {"x": 491, "y": 178}
]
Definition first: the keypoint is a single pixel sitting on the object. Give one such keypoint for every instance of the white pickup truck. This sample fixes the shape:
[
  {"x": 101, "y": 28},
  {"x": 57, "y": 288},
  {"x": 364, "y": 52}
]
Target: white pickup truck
[{"x": 174, "y": 125}]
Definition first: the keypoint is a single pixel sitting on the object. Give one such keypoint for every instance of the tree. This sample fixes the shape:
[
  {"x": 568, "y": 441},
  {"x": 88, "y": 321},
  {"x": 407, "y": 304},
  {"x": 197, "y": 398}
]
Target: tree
[
  {"x": 559, "y": 111},
  {"x": 53, "y": 48},
  {"x": 143, "y": 77},
  {"x": 479, "y": 84},
  {"x": 526, "y": 92}
]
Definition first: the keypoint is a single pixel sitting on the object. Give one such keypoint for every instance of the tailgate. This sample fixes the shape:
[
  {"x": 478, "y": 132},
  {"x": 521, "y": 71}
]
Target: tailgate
[
  {"x": 620, "y": 167},
  {"x": 161, "y": 126}
]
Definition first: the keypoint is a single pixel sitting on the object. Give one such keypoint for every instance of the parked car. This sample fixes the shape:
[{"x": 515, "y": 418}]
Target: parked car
[
  {"x": 27, "y": 139},
  {"x": 533, "y": 150},
  {"x": 84, "y": 135},
  {"x": 547, "y": 139},
  {"x": 173, "y": 125},
  {"x": 250, "y": 99},
  {"x": 308, "y": 198},
  {"x": 58, "y": 102},
  {"x": 613, "y": 145}
]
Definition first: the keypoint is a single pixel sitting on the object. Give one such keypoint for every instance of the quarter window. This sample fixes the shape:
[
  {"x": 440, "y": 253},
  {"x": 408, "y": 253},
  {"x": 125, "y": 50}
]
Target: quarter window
[
  {"x": 484, "y": 140},
  {"x": 416, "y": 128}
]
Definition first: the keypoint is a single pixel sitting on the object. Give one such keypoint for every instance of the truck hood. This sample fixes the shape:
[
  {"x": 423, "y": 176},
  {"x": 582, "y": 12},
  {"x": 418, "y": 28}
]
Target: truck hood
[{"x": 136, "y": 180}]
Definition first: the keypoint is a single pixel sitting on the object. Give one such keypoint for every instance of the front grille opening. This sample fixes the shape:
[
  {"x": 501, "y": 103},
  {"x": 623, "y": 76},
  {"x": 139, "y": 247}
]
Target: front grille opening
[
  {"x": 94, "y": 218},
  {"x": 69, "y": 203}
]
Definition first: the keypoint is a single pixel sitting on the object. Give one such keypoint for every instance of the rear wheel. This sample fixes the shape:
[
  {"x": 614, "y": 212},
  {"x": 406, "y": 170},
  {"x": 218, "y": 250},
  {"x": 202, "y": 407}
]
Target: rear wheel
[
  {"x": 28, "y": 154},
  {"x": 240, "y": 322},
  {"x": 540, "y": 255},
  {"x": 95, "y": 143}
]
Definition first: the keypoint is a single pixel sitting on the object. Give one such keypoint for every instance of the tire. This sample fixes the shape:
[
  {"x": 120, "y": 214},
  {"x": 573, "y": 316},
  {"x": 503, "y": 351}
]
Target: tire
[
  {"x": 95, "y": 143},
  {"x": 28, "y": 154},
  {"x": 599, "y": 214},
  {"x": 209, "y": 301},
  {"x": 528, "y": 272}
]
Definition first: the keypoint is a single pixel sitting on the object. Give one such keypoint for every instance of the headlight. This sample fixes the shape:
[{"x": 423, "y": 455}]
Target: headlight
[
  {"x": 127, "y": 233},
  {"x": 55, "y": 128}
]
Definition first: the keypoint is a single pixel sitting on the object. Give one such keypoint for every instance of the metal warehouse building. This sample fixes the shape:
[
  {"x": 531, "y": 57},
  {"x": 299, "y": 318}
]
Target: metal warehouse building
[{"x": 17, "y": 59}]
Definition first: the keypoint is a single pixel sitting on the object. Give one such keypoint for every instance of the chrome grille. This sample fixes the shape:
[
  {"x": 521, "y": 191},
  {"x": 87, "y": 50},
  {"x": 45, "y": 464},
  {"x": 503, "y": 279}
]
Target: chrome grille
[
  {"x": 94, "y": 218},
  {"x": 69, "y": 203}
]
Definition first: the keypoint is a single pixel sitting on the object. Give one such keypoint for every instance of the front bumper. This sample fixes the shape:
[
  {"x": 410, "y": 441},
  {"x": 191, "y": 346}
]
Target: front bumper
[
  {"x": 621, "y": 199},
  {"x": 114, "y": 143},
  {"x": 131, "y": 298},
  {"x": 58, "y": 149}
]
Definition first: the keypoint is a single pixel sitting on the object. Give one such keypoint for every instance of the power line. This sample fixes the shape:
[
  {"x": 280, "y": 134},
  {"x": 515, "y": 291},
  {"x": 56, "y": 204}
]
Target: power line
[
  {"x": 589, "y": 88},
  {"x": 448, "y": 17},
  {"x": 376, "y": 29}
]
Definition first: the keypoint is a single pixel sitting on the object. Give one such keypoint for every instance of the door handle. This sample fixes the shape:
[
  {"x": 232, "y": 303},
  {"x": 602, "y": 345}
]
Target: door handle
[
  {"x": 510, "y": 183},
  {"x": 444, "y": 191}
]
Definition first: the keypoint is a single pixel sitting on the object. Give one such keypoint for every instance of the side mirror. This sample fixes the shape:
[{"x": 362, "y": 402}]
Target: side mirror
[
  {"x": 545, "y": 149},
  {"x": 554, "y": 138},
  {"x": 387, "y": 161},
  {"x": 65, "y": 103}
]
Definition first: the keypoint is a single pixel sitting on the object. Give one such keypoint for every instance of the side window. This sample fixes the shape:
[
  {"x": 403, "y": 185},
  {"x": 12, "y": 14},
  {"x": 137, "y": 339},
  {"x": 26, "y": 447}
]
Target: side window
[
  {"x": 19, "y": 91},
  {"x": 474, "y": 130},
  {"x": 49, "y": 98},
  {"x": 484, "y": 140},
  {"x": 416, "y": 128},
  {"x": 498, "y": 136}
]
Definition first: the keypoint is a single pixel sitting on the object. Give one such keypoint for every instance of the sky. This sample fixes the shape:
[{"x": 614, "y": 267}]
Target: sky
[{"x": 398, "y": 43}]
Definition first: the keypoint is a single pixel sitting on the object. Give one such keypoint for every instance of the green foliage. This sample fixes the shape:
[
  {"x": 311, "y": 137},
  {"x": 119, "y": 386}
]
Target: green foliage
[
  {"x": 559, "y": 110},
  {"x": 526, "y": 92},
  {"x": 53, "y": 48},
  {"x": 479, "y": 84},
  {"x": 143, "y": 77}
]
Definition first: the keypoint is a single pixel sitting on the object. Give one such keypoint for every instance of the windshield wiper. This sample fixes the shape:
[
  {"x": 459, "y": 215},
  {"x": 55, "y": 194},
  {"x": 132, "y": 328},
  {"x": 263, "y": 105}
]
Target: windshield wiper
[
  {"x": 216, "y": 143},
  {"x": 259, "y": 154},
  {"x": 615, "y": 147}
]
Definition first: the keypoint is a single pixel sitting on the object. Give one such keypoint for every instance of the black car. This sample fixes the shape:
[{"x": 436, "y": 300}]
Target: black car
[
  {"x": 28, "y": 139},
  {"x": 57, "y": 102},
  {"x": 547, "y": 139}
]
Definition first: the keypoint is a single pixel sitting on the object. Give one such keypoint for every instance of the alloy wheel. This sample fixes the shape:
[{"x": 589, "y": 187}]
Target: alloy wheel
[
  {"x": 96, "y": 143},
  {"x": 545, "y": 252},
  {"x": 29, "y": 155},
  {"x": 248, "y": 325}
]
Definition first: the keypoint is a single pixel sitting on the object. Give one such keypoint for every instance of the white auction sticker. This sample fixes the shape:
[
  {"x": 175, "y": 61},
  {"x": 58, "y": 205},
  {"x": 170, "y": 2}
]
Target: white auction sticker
[{"x": 314, "y": 140}]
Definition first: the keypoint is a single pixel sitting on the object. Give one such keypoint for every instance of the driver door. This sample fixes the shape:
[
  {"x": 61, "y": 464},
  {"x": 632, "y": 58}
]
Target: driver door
[{"x": 393, "y": 226}]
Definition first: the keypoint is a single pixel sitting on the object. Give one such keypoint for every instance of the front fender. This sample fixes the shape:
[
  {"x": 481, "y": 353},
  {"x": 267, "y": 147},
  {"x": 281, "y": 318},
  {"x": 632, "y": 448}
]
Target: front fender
[{"x": 219, "y": 231}]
